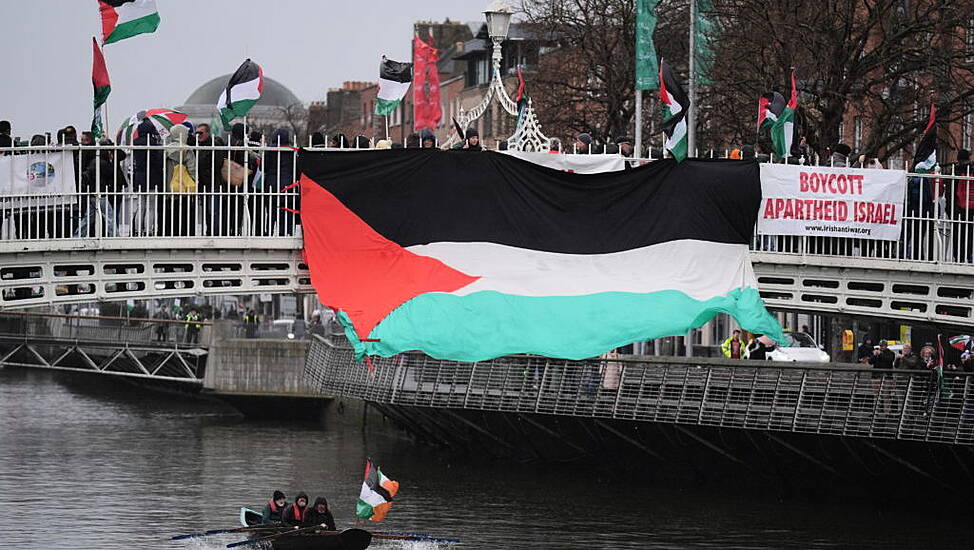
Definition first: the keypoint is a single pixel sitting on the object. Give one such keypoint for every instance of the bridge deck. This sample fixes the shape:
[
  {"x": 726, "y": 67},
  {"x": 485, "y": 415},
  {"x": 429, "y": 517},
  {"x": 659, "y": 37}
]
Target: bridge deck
[{"x": 801, "y": 398}]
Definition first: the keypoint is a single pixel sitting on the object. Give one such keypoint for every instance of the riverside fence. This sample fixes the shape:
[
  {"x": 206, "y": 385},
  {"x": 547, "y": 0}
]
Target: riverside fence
[{"x": 839, "y": 400}]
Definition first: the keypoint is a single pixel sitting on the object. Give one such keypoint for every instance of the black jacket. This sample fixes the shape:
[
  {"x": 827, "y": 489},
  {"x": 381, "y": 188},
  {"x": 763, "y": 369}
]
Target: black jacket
[
  {"x": 884, "y": 360},
  {"x": 209, "y": 163},
  {"x": 147, "y": 165},
  {"x": 313, "y": 517},
  {"x": 100, "y": 171}
]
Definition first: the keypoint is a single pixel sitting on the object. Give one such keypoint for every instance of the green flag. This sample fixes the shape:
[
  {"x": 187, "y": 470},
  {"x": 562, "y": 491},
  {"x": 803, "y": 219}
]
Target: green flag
[
  {"x": 705, "y": 31},
  {"x": 647, "y": 68}
]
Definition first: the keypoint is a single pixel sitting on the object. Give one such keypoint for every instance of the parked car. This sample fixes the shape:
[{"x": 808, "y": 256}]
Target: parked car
[{"x": 801, "y": 347}]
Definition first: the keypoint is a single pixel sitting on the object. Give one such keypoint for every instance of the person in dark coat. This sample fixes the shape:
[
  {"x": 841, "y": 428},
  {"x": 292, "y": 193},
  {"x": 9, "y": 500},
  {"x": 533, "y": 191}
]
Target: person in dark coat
[
  {"x": 319, "y": 514},
  {"x": 5, "y": 139},
  {"x": 232, "y": 203},
  {"x": 295, "y": 513},
  {"x": 101, "y": 175},
  {"x": 278, "y": 175},
  {"x": 865, "y": 351},
  {"x": 208, "y": 180},
  {"x": 274, "y": 509},
  {"x": 147, "y": 176},
  {"x": 472, "y": 140}
]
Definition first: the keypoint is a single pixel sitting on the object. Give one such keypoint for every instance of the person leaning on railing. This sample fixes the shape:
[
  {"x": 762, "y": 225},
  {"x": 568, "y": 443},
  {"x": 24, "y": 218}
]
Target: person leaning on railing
[
  {"x": 181, "y": 202},
  {"x": 100, "y": 180}
]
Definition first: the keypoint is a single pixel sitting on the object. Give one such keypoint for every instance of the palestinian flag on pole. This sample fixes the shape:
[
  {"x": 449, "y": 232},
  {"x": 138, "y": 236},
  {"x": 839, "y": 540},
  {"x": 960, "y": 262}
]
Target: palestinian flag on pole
[
  {"x": 783, "y": 129},
  {"x": 473, "y": 257},
  {"x": 121, "y": 19},
  {"x": 925, "y": 159},
  {"x": 770, "y": 107},
  {"x": 242, "y": 92},
  {"x": 102, "y": 87},
  {"x": 674, "y": 104},
  {"x": 394, "y": 80},
  {"x": 375, "y": 498}
]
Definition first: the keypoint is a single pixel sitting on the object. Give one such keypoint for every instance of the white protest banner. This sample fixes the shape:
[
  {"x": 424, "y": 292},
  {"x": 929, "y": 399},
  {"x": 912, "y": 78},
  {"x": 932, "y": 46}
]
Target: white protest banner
[
  {"x": 831, "y": 202},
  {"x": 37, "y": 179},
  {"x": 581, "y": 164}
]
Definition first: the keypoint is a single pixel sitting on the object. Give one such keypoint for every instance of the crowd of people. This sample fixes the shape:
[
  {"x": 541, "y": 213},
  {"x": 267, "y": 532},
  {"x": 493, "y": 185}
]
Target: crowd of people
[
  {"x": 297, "y": 514},
  {"x": 195, "y": 183}
]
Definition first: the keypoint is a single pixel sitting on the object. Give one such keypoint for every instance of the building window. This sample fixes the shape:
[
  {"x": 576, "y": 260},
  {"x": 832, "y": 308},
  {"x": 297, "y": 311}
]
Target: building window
[
  {"x": 857, "y": 134},
  {"x": 969, "y": 40},
  {"x": 967, "y": 130},
  {"x": 841, "y": 131}
]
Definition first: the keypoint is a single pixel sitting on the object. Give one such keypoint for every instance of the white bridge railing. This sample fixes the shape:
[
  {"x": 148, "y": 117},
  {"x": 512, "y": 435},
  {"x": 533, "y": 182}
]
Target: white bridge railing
[{"x": 74, "y": 193}]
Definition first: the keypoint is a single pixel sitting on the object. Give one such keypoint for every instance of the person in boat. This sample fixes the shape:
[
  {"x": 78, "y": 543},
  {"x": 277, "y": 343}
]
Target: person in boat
[
  {"x": 274, "y": 509},
  {"x": 294, "y": 514},
  {"x": 319, "y": 514}
]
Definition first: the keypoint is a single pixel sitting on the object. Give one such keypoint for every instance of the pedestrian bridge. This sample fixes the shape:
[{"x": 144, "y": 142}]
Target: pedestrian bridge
[
  {"x": 119, "y": 244},
  {"x": 59, "y": 271}
]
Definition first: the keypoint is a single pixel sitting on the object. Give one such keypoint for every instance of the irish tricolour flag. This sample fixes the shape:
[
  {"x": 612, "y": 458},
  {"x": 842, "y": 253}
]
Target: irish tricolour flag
[
  {"x": 242, "y": 92},
  {"x": 121, "y": 19},
  {"x": 674, "y": 104},
  {"x": 473, "y": 256},
  {"x": 375, "y": 498},
  {"x": 394, "y": 80}
]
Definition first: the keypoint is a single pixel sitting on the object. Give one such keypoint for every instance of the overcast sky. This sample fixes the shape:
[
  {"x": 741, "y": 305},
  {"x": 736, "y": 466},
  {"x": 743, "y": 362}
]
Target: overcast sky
[{"x": 307, "y": 45}]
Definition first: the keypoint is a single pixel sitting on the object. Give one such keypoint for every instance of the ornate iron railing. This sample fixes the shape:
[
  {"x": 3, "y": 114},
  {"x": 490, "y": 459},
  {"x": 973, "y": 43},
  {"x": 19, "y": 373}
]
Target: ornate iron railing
[{"x": 843, "y": 400}]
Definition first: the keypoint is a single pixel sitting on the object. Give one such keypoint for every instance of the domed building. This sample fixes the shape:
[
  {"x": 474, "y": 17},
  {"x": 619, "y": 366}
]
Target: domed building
[{"x": 278, "y": 107}]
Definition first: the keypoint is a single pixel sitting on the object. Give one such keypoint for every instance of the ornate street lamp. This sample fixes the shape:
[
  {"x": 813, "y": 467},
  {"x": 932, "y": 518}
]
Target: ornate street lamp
[{"x": 528, "y": 135}]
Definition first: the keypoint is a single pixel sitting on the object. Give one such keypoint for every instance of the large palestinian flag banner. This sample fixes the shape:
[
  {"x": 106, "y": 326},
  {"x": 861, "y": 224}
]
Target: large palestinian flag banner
[
  {"x": 121, "y": 19},
  {"x": 375, "y": 498},
  {"x": 469, "y": 256}
]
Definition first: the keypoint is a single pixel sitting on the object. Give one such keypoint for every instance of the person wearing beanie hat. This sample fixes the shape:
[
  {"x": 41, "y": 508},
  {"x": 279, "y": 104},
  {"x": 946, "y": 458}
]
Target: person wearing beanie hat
[
  {"x": 294, "y": 514},
  {"x": 472, "y": 142},
  {"x": 319, "y": 514},
  {"x": 274, "y": 508},
  {"x": 582, "y": 143},
  {"x": 625, "y": 144},
  {"x": 428, "y": 139}
]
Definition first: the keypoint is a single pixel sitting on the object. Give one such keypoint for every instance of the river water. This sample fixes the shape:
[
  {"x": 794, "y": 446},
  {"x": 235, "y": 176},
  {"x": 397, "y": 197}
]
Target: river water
[{"x": 91, "y": 463}]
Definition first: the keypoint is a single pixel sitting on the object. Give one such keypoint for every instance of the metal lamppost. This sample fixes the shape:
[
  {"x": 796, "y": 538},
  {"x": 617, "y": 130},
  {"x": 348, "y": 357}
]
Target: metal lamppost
[{"x": 498, "y": 15}]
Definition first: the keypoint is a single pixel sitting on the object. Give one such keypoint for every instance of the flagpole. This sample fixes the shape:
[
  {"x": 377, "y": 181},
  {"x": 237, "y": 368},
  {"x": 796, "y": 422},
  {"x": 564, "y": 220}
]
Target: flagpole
[
  {"x": 692, "y": 112},
  {"x": 639, "y": 123}
]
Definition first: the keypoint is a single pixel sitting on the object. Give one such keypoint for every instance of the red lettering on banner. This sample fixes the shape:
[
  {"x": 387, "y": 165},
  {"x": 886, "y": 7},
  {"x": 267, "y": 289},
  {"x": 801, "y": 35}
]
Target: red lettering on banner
[{"x": 769, "y": 209}]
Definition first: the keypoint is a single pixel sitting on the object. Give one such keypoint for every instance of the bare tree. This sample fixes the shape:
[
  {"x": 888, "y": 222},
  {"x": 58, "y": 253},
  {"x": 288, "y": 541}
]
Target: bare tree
[
  {"x": 883, "y": 60},
  {"x": 295, "y": 116}
]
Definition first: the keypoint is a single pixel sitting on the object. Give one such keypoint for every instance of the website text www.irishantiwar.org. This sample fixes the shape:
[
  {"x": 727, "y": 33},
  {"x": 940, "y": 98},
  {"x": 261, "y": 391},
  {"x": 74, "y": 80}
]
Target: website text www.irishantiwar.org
[{"x": 838, "y": 229}]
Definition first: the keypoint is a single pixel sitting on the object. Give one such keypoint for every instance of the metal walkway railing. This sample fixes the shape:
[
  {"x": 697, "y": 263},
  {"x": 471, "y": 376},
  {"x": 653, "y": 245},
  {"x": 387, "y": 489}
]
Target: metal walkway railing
[{"x": 843, "y": 400}]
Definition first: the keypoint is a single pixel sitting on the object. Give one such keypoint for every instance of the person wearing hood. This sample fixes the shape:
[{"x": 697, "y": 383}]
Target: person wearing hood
[
  {"x": 147, "y": 176},
  {"x": 428, "y": 139},
  {"x": 274, "y": 509},
  {"x": 472, "y": 140},
  {"x": 295, "y": 513},
  {"x": 232, "y": 203},
  {"x": 278, "y": 175},
  {"x": 182, "y": 198},
  {"x": 319, "y": 514}
]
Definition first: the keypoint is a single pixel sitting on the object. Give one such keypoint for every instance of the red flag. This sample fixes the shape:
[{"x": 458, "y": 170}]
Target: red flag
[
  {"x": 420, "y": 61},
  {"x": 426, "y": 86}
]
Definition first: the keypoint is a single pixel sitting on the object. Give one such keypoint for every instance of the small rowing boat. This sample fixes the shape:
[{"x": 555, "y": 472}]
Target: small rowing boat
[{"x": 349, "y": 539}]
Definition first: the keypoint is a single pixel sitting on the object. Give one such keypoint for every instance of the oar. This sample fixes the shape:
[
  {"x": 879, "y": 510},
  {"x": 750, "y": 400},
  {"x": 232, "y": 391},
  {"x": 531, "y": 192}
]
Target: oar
[
  {"x": 271, "y": 537},
  {"x": 219, "y": 531},
  {"x": 412, "y": 536}
]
